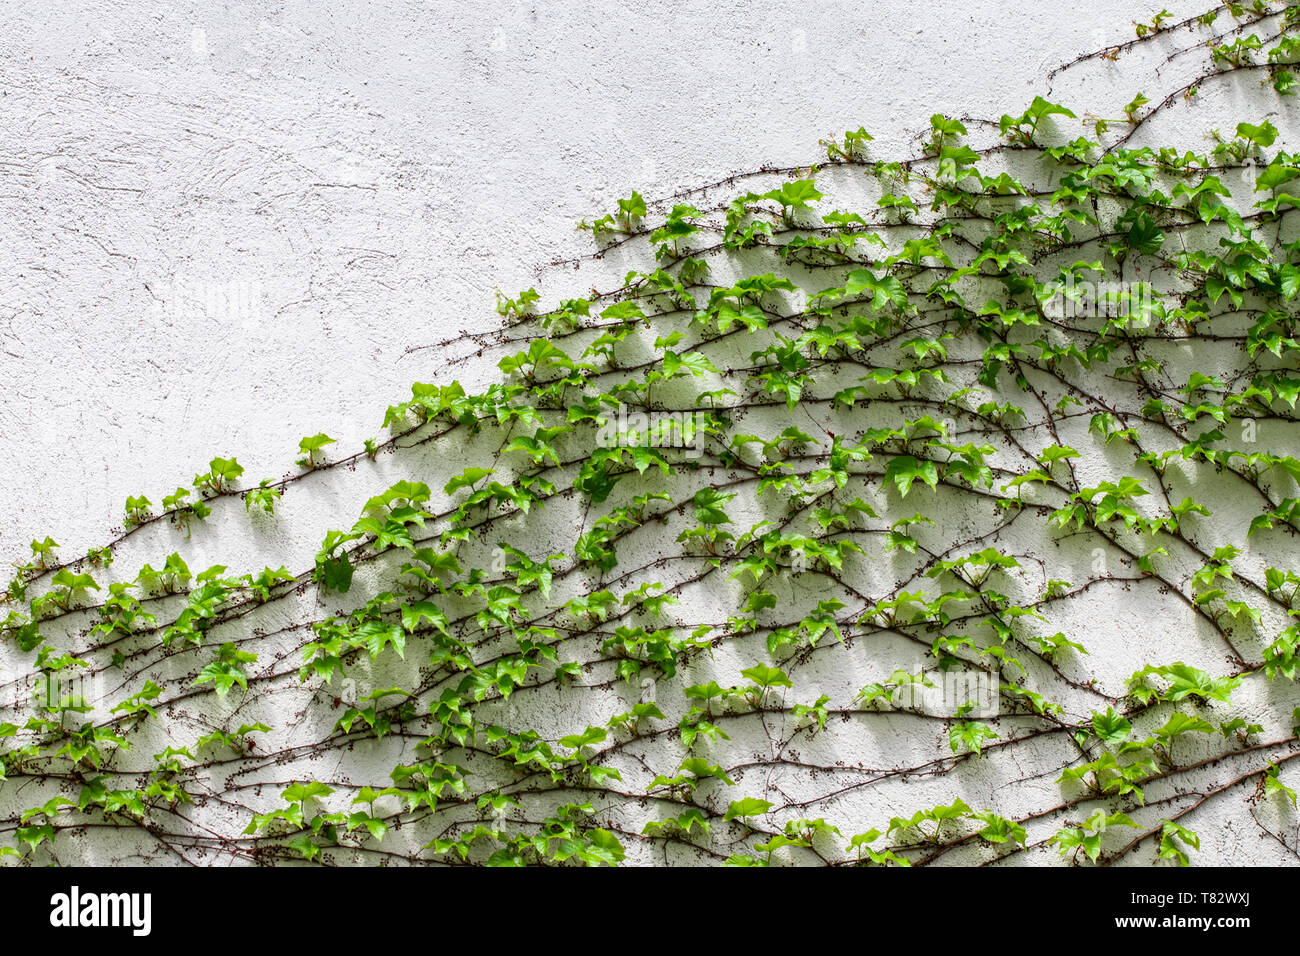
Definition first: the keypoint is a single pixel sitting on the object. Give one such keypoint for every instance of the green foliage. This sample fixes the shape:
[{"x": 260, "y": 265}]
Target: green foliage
[
  {"x": 929, "y": 385},
  {"x": 311, "y": 449}
]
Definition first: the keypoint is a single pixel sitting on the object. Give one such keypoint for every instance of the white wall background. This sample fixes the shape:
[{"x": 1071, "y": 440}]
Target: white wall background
[
  {"x": 366, "y": 174},
  {"x": 223, "y": 225}
]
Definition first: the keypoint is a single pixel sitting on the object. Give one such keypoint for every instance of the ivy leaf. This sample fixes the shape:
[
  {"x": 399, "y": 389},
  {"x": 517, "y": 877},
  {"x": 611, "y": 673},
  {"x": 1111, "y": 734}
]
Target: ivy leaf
[
  {"x": 708, "y": 506},
  {"x": 466, "y": 478},
  {"x": 1263, "y": 135},
  {"x": 694, "y": 362},
  {"x": 998, "y": 829},
  {"x": 886, "y": 290},
  {"x": 765, "y": 675},
  {"x": 225, "y": 470},
  {"x": 905, "y": 469},
  {"x": 1171, "y": 834},
  {"x": 970, "y": 734},
  {"x": 1272, "y": 785},
  {"x": 748, "y": 807},
  {"x": 314, "y": 443},
  {"x": 1145, "y": 236},
  {"x": 1276, "y": 175},
  {"x": 797, "y": 194},
  {"x": 1056, "y": 453},
  {"x": 1111, "y": 727},
  {"x": 588, "y": 738},
  {"x": 701, "y": 768},
  {"x": 336, "y": 574},
  {"x": 1180, "y": 723},
  {"x": 301, "y": 792}
]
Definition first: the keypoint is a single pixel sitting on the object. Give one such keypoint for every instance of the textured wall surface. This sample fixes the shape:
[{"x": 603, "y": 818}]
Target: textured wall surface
[{"x": 223, "y": 227}]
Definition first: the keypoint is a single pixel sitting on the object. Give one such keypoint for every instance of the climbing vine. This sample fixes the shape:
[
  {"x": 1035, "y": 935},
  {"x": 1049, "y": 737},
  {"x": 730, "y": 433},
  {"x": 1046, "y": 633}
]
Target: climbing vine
[{"x": 808, "y": 523}]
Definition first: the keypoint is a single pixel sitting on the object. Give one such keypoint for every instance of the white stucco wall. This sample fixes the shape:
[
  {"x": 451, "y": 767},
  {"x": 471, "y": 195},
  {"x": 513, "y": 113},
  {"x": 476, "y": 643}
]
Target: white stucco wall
[
  {"x": 365, "y": 175},
  {"x": 224, "y": 226}
]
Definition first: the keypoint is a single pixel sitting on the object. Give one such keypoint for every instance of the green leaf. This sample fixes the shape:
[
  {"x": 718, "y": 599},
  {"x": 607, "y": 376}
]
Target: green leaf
[
  {"x": 1171, "y": 835},
  {"x": 1263, "y": 135},
  {"x": 1111, "y": 727},
  {"x": 301, "y": 792},
  {"x": 466, "y": 478},
  {"x": 314, "y": 443},
  {"x": 1145, "y": 236},
  {"x": 708, "y": 506},
  {"x": 1180, "y": 723},
  {"x": 748, "y": 807},
  {"x": 589, "y": 737},
  {"x": 905, "y": 469},
  {"x": 795, "y": 195},
  {"x": 766, "y": 676}
]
